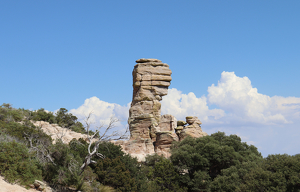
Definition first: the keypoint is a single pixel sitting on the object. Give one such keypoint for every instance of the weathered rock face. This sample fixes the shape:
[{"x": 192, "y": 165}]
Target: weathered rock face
[
  {"x": 165, "y": 135},
  {"x": 164, "y": 142},
  {"x": 151, "y": 79},
  {"x": 167, "y": 123},
  {"x": 57, "y": 132},
  {"x": 149, "y": 131},
  {"x": 193, "y": 129}
]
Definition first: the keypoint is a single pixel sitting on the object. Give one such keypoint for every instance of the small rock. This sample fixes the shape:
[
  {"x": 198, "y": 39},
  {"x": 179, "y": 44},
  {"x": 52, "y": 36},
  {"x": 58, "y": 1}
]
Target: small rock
[
  {"x": 179, "y": 128},
  {"x": 193, "y": 120},
  {"x": 41, "y": 186},
  {"x": 181, "y": 123}
]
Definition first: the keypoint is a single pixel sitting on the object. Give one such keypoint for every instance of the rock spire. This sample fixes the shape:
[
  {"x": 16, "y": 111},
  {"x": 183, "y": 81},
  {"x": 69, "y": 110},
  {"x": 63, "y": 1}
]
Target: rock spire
[
  {"x": 151, "y": 79},
  {"x": 149, "y": 131}
]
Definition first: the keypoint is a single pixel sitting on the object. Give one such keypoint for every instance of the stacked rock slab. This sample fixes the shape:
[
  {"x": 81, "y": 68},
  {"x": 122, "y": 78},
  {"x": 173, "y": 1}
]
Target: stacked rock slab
[
  {"x": 151, "y": 79},
  {"x": 193, "y": 128},
  {"x": 149, "y": 131},
  {"x": 166, "y": 135}
]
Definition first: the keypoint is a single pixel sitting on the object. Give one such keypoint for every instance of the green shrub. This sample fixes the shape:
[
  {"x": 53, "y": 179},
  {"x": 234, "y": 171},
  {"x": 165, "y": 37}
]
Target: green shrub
[
  {"x": 42, "y": 115},
  {"x": 289, "y": 168},
  {"x": 200, "y": 160},
  {"x": 78, "y": 127},
  {"x": 113, "y": 172},
  {"x": 9, "y": 114},
  {"x": 22, "y": 131},
  {"x": 68, "y": 120},
  {"x": 161, "y": 174},
  {"x": 79, "y": 148},
  {"x": 96, "y": 187},
  {"x": 65, "y": 169},
  {"x": 112, "y": 151},
  {"x": 17, "y": 164}
]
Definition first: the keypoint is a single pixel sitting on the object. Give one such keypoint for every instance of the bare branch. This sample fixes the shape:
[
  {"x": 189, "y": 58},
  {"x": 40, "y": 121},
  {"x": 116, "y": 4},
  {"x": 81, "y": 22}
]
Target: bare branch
[
  {"x": 41, "y": 150},
  {"x": 103, "y": 137}
]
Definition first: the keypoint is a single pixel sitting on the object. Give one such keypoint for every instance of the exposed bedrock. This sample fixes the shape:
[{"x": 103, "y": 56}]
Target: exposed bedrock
[
  {"x": 151, "y": 79},
  {"x": 193, "y": 128}
]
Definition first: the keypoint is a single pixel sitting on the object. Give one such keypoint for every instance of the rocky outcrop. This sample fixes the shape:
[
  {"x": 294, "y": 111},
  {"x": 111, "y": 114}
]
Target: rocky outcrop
[
  {"x": 193, "y": 128},
  {"x": 151, "y": 79},
  {"x": 149, "y": 131},
  {"x": 57, "y": 132},
  {"x": 166, "y": 135}
]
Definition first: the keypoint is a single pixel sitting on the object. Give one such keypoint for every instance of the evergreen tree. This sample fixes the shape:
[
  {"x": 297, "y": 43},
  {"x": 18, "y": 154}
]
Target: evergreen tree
[{"x": 200, "y": 160}]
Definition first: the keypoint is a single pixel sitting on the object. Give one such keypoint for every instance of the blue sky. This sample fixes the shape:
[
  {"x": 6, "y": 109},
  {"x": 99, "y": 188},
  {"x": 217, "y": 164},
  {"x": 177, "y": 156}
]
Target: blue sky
[{"x": 238, "y": 62}]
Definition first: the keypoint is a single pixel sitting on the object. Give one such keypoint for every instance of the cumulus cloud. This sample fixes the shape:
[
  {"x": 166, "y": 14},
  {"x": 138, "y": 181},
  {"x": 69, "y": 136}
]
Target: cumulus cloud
[
  {"x": 242, "y": 102},
  {"x": 181, "y": 105},
  {"x": 237, "y": 101},
  {"x": 101, "y": 111}
]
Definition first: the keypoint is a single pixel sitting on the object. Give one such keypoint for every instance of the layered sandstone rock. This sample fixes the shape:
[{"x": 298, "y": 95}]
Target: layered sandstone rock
[
  {"x": 193, "y": 129},
  {"x": 166, "y": 135},
  {"x": 151, "y": 79},
  {"x": 149, "y": 131}
]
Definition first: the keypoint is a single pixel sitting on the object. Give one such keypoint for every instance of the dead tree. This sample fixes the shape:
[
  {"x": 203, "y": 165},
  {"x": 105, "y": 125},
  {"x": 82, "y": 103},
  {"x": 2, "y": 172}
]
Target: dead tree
[
  {"x": 105, "y": 136},
  {"x": 42, "y": 152}
]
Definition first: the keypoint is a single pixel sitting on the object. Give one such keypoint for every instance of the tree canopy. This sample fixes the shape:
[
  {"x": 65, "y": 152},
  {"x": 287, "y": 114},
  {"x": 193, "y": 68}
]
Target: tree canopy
[{"x": 199, "y": 161}]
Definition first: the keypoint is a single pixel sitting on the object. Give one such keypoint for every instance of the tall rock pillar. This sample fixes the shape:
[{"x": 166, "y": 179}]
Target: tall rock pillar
[
  {"x": 151, "y": 79},
  {"x": 151, "y": 132}
]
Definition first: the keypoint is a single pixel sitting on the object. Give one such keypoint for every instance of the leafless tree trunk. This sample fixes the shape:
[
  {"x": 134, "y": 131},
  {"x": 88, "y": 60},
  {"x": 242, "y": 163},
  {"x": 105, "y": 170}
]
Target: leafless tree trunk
[
  {"x": 103, "y": 137},
  {"x": 42, "y": 151},
  {"x": 102, "y": 134}
]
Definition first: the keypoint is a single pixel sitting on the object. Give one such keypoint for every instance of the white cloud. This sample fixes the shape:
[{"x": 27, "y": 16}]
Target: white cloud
[
  {"x": 101, "y": 111},
  {"x": 181, "y": 105},
  {"x": 240, "y": 100}
]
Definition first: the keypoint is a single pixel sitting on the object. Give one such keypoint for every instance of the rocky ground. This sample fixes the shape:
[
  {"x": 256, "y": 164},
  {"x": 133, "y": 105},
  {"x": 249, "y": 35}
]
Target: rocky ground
[{"x": 7, "y": 187}]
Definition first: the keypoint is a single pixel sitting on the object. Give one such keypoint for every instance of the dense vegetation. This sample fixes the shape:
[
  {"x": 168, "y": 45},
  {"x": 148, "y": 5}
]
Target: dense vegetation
[{"x": 212, "y": 163}]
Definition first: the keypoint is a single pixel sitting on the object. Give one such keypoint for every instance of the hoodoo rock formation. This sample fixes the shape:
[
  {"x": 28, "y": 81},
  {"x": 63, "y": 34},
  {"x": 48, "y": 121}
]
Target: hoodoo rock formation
[
  {"x": 193, "y": 128},
  {"x": 151, "y": 132}
]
